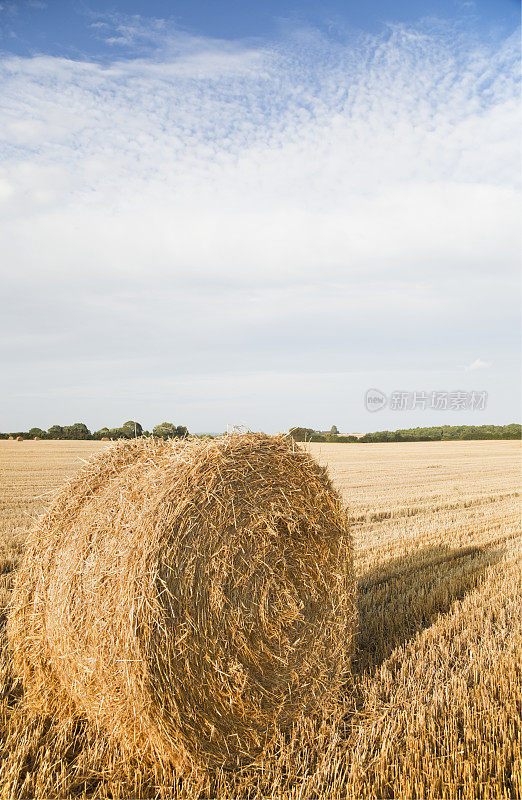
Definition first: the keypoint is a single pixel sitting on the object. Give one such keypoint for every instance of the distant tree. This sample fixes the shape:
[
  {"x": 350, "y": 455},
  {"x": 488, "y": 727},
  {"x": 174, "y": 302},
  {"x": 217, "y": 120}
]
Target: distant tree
[
  {"x": 77, "y": 431},
  {"x": 446, "y": 433},
  {"x": 132, "y": 429},
  {"x": 334, "y": 431},
  {"x": 103, "y": 433},
  {"x": 38, "y": 432},
  {"x": 117, "y": 433},
  {"x": 181, "y": 432},
  {"x": 167, "y": 430},
  {"x": 164, "y": 430},
  {"x": 302, "y": 434},
  {"x": 55, "y": 432},
  {"x": 513, "y": 431}
]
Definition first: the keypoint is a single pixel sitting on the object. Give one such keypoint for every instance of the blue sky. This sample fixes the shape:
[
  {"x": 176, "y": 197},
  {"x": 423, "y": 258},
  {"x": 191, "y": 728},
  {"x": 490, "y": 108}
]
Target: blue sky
[
  {"x": 250, "y": 213},
  {"x": 65, "y": 27}
]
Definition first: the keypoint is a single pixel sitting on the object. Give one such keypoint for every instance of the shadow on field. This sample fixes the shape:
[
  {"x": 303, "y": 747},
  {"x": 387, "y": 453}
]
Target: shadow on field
[{"x": 401, "y": 598}]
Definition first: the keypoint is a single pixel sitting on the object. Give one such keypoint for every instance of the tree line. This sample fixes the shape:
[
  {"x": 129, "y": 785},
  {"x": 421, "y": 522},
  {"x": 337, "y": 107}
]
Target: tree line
[
  {"x": 434, "y": 434},
  {"x": 129, "y": 430},
  {"x": 168, "y": 430}
]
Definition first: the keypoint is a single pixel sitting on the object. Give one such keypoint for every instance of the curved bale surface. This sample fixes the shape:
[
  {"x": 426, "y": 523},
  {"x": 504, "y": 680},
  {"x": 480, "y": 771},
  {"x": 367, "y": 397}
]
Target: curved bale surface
[{"x": 190, "y": 598}]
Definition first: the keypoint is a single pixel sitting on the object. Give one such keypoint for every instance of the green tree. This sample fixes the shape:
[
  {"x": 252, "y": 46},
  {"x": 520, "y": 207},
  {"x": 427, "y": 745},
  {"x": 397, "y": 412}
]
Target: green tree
[
  {"x": 132, "y": 429},
  {"x": 446, "y": 433},
  {"x": 513, "y": 431},
  {"x": 103, "y": 433},
  {"x": 77, "y": 431},
  {"x": 55, "y": 432},
  {"x": 165, "y": 430},
  {"x": 302, "y": 434},
  {"x": 38, "y": 432},
  {"x": 116, "y": 433},
  {"x": 334, "y": 430}
]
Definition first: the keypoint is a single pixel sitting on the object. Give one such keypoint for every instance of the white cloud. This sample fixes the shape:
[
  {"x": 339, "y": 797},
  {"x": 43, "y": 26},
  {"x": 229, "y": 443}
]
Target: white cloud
[
  {"x": 264, "y": 204},
  {"x": 478, "y": 364}
]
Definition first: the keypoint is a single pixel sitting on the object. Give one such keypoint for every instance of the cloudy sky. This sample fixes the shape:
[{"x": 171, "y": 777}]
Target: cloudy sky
[{"x": 250, "y": 213}]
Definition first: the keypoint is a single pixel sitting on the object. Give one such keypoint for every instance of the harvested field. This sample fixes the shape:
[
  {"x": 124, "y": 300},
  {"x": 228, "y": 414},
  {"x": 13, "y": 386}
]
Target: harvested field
[{"x": 432, "y": 708}]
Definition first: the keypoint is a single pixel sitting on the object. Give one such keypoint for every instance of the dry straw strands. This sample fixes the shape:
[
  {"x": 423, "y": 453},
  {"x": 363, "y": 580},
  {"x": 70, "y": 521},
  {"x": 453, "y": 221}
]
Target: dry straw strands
[{"x": 190, "y": 598}]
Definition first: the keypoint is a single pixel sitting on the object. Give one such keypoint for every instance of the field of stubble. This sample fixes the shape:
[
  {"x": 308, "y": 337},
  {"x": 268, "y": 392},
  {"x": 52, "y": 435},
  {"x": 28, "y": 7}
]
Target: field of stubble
[{"x": 432, "y": 708}]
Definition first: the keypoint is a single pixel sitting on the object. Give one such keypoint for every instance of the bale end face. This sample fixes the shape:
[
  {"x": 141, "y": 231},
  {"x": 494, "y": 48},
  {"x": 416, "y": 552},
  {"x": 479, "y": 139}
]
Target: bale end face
[{"x": 191, "y": 597}]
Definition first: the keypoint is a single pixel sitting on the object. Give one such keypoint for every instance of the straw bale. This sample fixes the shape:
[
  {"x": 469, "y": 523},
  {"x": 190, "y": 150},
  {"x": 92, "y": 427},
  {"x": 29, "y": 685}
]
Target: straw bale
[{"x": 190, "y": 598}]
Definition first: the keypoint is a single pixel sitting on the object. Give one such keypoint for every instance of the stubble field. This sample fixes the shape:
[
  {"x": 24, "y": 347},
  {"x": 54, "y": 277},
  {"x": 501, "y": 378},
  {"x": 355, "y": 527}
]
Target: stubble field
[{"x": 432, "y": 707}]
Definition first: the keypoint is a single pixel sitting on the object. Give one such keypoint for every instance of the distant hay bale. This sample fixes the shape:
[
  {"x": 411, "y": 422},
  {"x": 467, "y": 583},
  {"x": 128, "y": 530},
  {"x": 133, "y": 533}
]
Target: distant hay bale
[
  {"x": 11, "y": 438},
  {"x": 105, "y": 439},
  {"x": 19, "y": 438},
  {"x": 191, "y": 598}
]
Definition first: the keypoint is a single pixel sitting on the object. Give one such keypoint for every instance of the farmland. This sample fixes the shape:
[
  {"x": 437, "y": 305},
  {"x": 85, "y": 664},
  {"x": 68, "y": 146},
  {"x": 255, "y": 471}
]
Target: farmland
[{"x": 430, "y": 709}]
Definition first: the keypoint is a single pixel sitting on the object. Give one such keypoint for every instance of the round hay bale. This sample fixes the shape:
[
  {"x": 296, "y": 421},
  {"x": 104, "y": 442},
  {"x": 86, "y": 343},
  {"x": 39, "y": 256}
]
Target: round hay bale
[
  {"x": 191, "y": 597},
  {"x": 19, "y": 438}
]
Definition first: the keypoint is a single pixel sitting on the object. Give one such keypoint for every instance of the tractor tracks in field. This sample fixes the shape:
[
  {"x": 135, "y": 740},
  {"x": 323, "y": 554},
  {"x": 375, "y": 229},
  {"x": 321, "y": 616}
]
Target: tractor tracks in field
[{"x": 428, "y": 508}]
